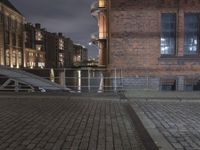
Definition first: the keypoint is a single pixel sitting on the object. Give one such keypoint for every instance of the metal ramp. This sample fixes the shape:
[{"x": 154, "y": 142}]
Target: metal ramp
[{"x": 19, "y": 80}]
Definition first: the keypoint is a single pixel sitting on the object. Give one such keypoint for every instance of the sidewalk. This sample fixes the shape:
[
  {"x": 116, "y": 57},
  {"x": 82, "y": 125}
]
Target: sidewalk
[
  {"x": 173, "y": 125},
  {"x": 53, "y": 122}
]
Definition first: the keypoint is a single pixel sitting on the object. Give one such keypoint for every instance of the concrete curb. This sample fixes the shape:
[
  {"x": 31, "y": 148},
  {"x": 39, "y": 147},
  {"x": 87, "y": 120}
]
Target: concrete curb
[
  {"x": 157, "y": 137},
  {"x": 138, "y": 94}
]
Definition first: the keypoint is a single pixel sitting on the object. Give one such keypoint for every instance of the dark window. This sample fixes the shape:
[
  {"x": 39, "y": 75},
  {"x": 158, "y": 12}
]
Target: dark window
[
  {"x": 168, "y": 85},
  {"x": 7, "y": 38},
  {"x": 192, "y": 85},
  {"x": 196, "y": 87},
  {"x": 14, "y": 42},
  {"x": 191, "y": 42},
  {"x": 20, "y": 41},
  {"x": 168, "y": 34},
  {"x": 7, "y": 22},
  {"x": 1, "y": 17}
]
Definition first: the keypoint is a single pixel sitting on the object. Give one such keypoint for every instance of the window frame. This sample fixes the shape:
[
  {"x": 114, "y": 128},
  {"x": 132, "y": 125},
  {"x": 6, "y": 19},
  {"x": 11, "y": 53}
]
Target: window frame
[
  {"x": 168, "y": 34},
  {"x": 192, "y": 32}
]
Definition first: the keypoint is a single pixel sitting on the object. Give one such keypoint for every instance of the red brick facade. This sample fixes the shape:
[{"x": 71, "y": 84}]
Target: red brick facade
[{"x": 134, "y": 38}]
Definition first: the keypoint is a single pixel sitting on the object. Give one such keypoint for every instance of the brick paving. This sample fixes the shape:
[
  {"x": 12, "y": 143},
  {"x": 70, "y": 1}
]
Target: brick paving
[
  {"x": 54, "y": 123},
  {"x": 179, "y": 122}
]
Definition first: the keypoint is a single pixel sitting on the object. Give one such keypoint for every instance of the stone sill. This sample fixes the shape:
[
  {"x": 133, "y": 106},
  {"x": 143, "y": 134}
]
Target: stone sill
[{"x": 177, "y": 58}]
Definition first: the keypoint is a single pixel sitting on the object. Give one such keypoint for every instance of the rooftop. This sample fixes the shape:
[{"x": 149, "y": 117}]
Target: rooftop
[{"x": 10, "y": 5}]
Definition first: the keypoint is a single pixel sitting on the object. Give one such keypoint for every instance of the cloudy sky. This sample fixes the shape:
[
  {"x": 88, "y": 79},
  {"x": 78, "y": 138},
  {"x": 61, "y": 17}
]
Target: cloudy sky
[{"x": 71, "y": 17}]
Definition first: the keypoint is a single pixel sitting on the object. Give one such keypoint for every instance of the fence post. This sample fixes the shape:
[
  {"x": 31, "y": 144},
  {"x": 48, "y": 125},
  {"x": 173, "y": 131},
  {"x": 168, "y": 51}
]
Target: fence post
[
  {"x": 79, "y": 81},
  {"x": 121, "y": 79},
  {"x": 64, "y": 77},
  {"x": 89, "y": 80},
  {"x": 115, "y": 84},
  {"x": 16, "y": 86},
  {"x": 101, "y": 85}
]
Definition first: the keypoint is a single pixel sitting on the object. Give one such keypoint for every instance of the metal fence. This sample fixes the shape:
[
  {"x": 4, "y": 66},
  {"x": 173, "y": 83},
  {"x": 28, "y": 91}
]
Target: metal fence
[{"x": 103, "y": 80}]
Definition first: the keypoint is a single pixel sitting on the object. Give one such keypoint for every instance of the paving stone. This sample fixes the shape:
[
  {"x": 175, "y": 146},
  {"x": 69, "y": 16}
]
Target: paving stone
[
  {"x": 60, "y": 123},
  {"x": 177, "y": 121}
]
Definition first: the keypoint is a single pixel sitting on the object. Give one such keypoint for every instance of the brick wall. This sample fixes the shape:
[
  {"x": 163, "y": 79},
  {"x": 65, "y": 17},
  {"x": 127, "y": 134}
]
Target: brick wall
[{"x": 135, "y": 38}]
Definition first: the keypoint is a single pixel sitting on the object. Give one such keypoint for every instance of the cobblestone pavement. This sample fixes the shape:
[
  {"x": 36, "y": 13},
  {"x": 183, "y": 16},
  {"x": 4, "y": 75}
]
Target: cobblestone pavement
[
  {"x": 65, "y": 124},
  {"x": 179, "y": 122}
]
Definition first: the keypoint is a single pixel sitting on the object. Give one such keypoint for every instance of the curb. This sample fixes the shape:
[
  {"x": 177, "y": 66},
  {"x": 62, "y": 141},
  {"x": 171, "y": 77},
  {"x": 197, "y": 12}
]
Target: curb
[{"x": 155, "y": 135}]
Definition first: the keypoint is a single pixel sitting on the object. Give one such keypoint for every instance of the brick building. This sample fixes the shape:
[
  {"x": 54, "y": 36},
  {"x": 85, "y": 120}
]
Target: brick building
[
  {"x": 11, "y": 35},
  {"x": 68, "y": 53},
  {"x": 80, "y": 55},
  {"x": 35, "y": 46},
  {"x": 59, "y": 51},
  {"x": 158, "y": 39}
]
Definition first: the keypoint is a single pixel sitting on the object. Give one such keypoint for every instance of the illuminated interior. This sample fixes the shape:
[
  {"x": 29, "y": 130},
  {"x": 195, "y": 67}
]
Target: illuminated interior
[
  {"x": 61, "y": 44},
  {"x": 102, "y": 3},
  {"x": 102, "y": 26},
  {"x": 38, "y": 35}
]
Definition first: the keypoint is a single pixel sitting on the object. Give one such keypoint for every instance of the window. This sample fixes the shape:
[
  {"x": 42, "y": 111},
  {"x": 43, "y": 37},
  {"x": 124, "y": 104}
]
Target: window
[
  {"x": 168, "y": 84},
  {"x": 1, "y": 17},
  {"x": 168, "y": 34},
  {"x": 41, "y": 64},
  {"x": 192, "y": 85},
  {"x": 38, "y": 36},
  {"x": 7, "y": 37},
  {"x": 38, "y": 47},
  {"x": 20, "y": 40},
  {"x": 61, "y": 44},
  {"x": 31, "y": 54},
  {"x": 20, "y": 58},
  {"x": 7, "y": 57},
  {"x": 191, "y": 33},
  {"x": 7, "y": 22},
  {"x": 14, "y": 58},
  {"x": 14, "y": 42}
]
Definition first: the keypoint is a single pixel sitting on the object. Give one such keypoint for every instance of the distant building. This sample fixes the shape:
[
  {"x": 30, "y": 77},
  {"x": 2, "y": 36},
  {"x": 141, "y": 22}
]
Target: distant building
[
  {"x": 35, "y": 46},
  {"x": 80, "y": 55},
  {"x": 59, "y": 50},
  {"x": 68, "y": 53},
  {"x": 158, "y": 39},
  {"x": 30, "y": 46},
  {"x": 11, "y": 35}
]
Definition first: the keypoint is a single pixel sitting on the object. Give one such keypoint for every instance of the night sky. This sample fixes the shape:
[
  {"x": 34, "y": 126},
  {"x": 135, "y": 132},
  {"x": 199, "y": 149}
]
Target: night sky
[{"x": 71, "y": 17}]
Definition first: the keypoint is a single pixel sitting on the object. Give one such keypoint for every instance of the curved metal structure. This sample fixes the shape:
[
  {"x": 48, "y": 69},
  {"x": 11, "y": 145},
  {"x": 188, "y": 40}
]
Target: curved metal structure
[{"x": 20, "y": 77}]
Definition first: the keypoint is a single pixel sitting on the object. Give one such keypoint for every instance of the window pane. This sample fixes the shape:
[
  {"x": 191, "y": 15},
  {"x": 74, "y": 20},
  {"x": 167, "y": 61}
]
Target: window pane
[
  {"x": 168, "y": 34},
  {"x": 191, "y": 33}
]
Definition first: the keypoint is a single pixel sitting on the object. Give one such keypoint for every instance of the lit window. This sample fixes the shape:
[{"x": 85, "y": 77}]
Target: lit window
[
  {"x": 20, "y": 58},
  {"x": 7, "y": 57},
  {"x": 191, "y": 33},
  {"x": 38, "y": 47},
  {"x": 41, "y": 64},
  {"x": 168, "y": 34},
  {"x": 14, "y": 58},
  {"x": 102, "y": 3},
  {"x": 38, "y": 35},
  {"x": 61, "y": 44},
  {"x": 30, "y": 54}
]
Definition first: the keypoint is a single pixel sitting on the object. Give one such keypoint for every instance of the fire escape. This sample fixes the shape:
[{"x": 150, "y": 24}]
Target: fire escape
[{"x": 100, "y": 39}]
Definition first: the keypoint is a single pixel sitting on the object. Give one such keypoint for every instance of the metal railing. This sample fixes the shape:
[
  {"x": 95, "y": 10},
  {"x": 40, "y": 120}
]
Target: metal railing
[
  {"x": 97, "y": 6},
  {"x": 99, "y": 80},
  {"x": 98, "y": 36}
]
